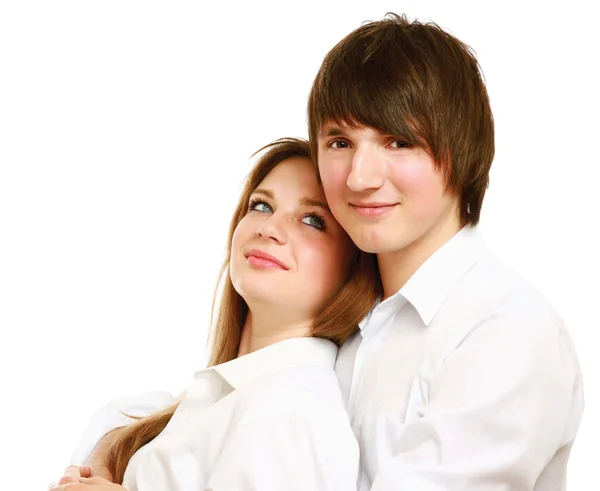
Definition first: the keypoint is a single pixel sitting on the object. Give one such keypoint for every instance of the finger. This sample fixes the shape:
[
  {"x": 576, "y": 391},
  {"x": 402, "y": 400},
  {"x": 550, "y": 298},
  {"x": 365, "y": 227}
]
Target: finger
[
  {"x": 52, "y": 485},
  {"x": 73, "y": 470},
  {"x": 60, "y": 488},
  {"x": 68, "y": 479},
  {"x": 71, "y": 487},
  {"x": 95, "y": 481}
]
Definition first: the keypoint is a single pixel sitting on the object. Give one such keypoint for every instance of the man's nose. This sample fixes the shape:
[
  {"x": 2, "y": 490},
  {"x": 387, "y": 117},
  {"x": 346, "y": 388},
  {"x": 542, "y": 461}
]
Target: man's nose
[{"x": 367, "y": 170}]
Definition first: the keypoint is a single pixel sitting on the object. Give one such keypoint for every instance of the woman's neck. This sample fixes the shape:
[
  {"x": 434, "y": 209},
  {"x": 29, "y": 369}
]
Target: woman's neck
[{"x": 260, "y": 331}]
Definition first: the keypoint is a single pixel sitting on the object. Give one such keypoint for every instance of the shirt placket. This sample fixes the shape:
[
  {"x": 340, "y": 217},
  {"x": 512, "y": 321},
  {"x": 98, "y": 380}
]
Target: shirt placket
[{"x": 372, "y": 335}]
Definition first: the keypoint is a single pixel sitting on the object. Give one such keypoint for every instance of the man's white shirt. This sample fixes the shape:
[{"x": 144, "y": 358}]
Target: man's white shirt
[{"x": 465, "y": 380}]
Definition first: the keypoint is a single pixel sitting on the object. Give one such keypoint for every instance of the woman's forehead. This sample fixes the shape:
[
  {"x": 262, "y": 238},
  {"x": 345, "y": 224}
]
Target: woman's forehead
[{"x": 294, "y": 175}]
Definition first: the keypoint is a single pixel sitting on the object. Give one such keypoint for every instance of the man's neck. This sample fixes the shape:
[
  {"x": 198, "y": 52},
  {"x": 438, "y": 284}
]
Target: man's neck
[
  {"x": 265, "y": 327},
  {"x": 397, "y": 267}
]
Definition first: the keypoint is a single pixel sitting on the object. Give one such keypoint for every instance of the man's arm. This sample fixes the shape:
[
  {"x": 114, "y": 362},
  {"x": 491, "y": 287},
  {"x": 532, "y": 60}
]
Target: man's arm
[{"x": 500, "y": 407}]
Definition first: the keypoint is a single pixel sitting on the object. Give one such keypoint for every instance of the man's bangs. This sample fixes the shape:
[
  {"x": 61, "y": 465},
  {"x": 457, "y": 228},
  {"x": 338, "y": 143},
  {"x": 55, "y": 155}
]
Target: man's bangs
[{"x": 360, "y": 100}]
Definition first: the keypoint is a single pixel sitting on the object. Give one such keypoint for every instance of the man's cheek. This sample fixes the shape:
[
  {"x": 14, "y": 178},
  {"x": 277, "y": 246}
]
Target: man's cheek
[{"x": 334, "y": 181}]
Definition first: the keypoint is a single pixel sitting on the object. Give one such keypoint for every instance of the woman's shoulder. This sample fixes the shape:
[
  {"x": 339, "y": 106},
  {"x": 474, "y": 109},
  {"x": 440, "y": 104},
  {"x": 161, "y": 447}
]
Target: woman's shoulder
[{"x": 302, "y": 390}]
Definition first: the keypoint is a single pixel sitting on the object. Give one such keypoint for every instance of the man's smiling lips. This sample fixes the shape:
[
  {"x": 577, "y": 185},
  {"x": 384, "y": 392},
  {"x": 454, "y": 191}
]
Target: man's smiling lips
[{"x": 372, "y": 209}]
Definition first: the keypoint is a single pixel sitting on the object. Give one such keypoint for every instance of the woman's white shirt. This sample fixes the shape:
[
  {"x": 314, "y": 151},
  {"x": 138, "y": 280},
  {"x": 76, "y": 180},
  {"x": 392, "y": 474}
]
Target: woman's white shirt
[{"x": 273, "y": 419}]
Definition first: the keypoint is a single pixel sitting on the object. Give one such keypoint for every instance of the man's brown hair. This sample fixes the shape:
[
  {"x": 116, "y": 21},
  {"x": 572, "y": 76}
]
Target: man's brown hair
[{"x": 415, "y": 81}]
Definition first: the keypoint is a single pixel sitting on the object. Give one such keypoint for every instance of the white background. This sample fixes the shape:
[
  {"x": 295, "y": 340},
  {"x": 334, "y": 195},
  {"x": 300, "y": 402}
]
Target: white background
[{"x": 125, "y": 133}]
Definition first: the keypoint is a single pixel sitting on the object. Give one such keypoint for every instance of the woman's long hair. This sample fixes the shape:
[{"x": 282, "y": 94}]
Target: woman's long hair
[{"x": 337, "y": 320}]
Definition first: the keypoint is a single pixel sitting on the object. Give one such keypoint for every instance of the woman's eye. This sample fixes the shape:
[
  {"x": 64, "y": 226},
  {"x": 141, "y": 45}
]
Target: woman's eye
[
  {"x": 314, "y": 221},
  {"x": 261, "y": 206}
]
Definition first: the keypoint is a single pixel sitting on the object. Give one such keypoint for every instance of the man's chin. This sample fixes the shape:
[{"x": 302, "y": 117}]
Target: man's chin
[{"x": 374, "y": 244}]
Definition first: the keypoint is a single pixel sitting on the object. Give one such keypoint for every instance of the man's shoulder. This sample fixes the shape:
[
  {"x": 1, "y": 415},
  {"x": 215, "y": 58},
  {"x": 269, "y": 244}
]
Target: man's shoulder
[
  {"x": 496, "y": 307},
  {"x": 493, "y": 297},
  {"x": 502, "y": 290}
]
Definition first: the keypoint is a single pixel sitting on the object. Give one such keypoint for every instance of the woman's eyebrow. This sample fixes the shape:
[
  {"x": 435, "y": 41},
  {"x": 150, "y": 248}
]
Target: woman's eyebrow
[
  {"x": 303, "y": 201},
  {"x": 266, "y": 192},
  {"x": 314, "y": 202}
]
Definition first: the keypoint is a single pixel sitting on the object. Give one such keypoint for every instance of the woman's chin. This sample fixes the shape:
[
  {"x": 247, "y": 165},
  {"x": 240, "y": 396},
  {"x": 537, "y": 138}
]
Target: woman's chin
[{"x": 264, "y": 292}]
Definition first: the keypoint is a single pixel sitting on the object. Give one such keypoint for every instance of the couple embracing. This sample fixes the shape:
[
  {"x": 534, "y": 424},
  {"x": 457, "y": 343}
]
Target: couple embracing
[{"x": 366, "y": 338}]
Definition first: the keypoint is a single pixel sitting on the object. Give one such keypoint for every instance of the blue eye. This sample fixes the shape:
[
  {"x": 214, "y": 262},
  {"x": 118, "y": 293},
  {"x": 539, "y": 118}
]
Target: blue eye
[
  {"x": 261, "y": 206},
  {"x": 315, "y": 221}
]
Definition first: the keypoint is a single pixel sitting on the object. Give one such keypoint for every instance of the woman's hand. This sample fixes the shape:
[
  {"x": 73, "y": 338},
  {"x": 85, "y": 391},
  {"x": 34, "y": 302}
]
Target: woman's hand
[
  {"x": 78, "y": 478},
  {"x": 72, "y": 474},
  {"x": 90, "y": 484}
]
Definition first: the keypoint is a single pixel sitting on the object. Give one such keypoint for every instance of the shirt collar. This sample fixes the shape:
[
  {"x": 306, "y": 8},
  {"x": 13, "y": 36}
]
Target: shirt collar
[
  {"x": 279, "y": 356},
  {"x": 430, "y": 285}
]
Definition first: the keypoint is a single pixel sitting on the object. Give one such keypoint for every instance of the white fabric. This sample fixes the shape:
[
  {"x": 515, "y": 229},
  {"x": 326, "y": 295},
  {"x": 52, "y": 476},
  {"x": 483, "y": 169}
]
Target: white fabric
[
  {"x": 466, "y": 379},
  {"x": 114, "y": 415},
  {"x": 271, "y": 420}
]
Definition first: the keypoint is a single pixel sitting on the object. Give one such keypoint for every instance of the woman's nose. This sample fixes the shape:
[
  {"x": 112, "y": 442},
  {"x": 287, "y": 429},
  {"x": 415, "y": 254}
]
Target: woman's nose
[{"x": 273, "y": 228}]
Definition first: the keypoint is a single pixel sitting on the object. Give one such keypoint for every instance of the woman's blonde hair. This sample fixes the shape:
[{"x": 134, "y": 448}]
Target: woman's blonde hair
[{"x": 337, "y": 319}]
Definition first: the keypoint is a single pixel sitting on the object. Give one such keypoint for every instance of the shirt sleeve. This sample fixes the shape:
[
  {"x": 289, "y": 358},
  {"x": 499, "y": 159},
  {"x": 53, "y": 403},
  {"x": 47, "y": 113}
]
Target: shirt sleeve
[
  {"x": 112, "y": 416},
  {"x": 500, "y": 406},
  {"x": 294, "y": 451}
]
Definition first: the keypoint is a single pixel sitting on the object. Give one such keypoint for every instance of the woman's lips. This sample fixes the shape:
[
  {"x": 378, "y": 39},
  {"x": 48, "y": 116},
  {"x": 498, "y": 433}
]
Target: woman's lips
[{"x": 263, "y": 260}]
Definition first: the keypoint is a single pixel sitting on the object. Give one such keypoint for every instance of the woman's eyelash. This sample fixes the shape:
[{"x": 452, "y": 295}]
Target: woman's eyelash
[
  {"x": 321, "y": 218},
  {"x": 254, "y": 202}
]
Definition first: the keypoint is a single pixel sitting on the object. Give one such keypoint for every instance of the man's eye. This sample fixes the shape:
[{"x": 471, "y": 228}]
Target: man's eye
[
  {"x": 399, "y": 144},
  {"x": 339, "y": 144}
]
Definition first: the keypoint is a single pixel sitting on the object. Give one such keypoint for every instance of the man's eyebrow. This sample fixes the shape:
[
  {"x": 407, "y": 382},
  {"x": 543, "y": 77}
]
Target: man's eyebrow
[
  {"x": 331, "y": 131},
  {"x": 314, "y": 202},
  {"x": 265, "y": 192}
]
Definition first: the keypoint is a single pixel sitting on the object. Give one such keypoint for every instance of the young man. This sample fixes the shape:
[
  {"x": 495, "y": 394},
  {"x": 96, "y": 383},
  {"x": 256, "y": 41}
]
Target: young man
[{"x": 462, "y": 377}]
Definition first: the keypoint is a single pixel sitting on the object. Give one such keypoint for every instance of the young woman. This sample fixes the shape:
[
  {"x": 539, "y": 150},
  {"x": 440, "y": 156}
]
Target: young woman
[{"x": 268, "y": 413}]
